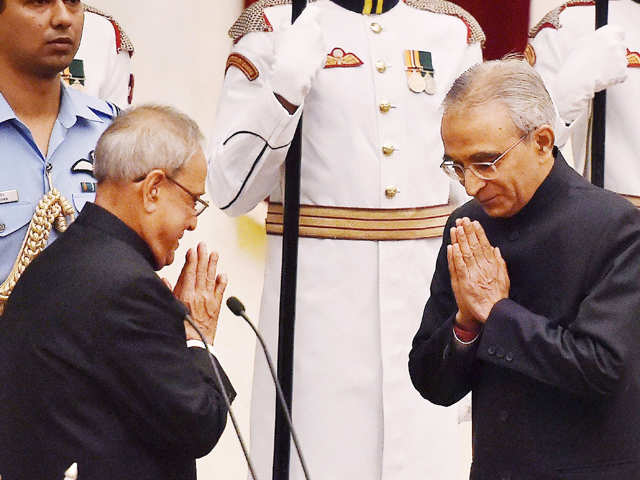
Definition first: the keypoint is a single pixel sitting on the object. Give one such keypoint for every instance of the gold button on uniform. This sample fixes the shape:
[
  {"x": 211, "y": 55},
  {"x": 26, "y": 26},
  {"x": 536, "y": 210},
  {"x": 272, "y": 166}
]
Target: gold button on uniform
[
  {"x": 381, "y": 66},
  {"x": 391, "y": 192},
  {"x": 375, "y": 27},
  {"x": 2, "y": 227},
  {"x": 388, "y": 150},
  {"x": 385, "y": 107}
]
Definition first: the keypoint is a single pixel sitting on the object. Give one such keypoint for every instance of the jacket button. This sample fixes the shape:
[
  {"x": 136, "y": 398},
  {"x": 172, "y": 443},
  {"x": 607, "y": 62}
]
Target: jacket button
[
  {"x": 388, "y": 150},
  {"x": 513, "y": 236},
  {"x": 385, "y": 107},
  {"x": 504, "y": 415},
  {"x": 500, "y": 353},
  {"x": 509, "y": 357},
  {"x": 391, "y": 192},
  {"x": 2, "y": 227},
  {"x": 375, "y": 27},
  {"x": 491, "y": 350},
  {"x": 381, "y": 67}
]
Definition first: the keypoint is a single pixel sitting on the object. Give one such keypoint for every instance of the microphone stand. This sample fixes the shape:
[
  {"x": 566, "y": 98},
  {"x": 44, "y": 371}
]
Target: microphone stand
[
  {"x": 227, "y": 402},
  {"x": 237, "y": 308}
]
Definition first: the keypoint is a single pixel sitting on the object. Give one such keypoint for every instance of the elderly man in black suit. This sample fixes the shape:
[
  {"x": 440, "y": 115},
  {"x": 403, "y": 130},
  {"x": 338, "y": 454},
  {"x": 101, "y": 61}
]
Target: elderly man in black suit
[
  {"x": 535, "y": 301},
  {"x": 96, "y": 363}
]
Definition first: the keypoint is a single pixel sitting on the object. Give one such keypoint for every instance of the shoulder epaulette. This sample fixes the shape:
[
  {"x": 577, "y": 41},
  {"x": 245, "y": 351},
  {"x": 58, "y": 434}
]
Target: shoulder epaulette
[
  {"x": 552, "y": 18},
  {"x": 123, "y": 42},
  {"x": 253, "y": 19},
  {"x": 474, "y": 30}
]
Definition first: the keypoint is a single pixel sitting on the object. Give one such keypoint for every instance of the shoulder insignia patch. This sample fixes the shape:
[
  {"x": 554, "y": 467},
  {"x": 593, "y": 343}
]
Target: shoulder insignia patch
[
  {"x": 474, "y": 30},
  {"x": 339, "y": 58},
  {"x": 530, "y": 54},
  {"x": 243, "y": 64},
  {"x": 123, "y": 42},
  {"x": 633, "y": 59},
  {"x": 552, "y": 18}
]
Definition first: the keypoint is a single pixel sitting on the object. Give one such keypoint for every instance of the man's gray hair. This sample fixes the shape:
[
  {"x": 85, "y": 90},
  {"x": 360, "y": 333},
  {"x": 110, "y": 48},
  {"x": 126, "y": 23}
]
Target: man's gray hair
[
  {"x": 512, "y": 82},
  {"x": 144, "y": 138}
]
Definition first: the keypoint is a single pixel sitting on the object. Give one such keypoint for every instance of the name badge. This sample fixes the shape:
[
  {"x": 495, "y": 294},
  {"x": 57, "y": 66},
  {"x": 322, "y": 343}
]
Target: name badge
[{"x": 9, "y": 196}]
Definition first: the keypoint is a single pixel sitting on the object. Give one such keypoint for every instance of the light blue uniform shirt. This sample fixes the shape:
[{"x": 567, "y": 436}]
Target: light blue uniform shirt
[{"x": 81, "y": 120}]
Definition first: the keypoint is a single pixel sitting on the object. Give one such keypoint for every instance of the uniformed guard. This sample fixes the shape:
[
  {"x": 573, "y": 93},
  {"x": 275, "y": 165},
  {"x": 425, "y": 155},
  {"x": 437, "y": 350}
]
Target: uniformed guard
[
  {"x": 102, "y": 66},
  {"x": 370, "y": 77},
  {"x": 47, "y": 132},
  {"x": 576, "y": 61}
]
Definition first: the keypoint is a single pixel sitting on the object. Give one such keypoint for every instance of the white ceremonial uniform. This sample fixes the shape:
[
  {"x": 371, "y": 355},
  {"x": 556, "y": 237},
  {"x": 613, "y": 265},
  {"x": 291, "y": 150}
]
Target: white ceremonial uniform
[
  {"x": 359, "y": 302},
  {"x": 102, "y": 66},
  {"x": 552, "y": 43}
]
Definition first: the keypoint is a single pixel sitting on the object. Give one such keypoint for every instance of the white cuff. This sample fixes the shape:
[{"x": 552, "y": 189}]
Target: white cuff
[{"x": 200, "y": 344}]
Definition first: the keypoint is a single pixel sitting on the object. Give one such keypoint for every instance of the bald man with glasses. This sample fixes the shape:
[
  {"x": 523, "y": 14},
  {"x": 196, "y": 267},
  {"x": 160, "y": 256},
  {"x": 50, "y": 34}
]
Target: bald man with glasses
[{"x": 535, "y": 301}]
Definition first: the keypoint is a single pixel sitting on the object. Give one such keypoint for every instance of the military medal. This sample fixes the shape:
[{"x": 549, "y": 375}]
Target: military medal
[
  {"x": 420, "y": 73},
  {"x": 416, "y": 82},
  {"x": 429, "y": 84}
]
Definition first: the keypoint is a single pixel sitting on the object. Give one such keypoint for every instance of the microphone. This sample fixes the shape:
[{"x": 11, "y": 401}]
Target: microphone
[
  {"x": 237, "y": 308},
  {"x": 226, "y": 398}
]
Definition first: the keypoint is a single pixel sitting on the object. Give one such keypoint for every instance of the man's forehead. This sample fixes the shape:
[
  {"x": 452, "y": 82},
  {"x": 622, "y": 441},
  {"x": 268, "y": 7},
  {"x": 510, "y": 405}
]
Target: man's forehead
[{"x": 194, "y": 170}]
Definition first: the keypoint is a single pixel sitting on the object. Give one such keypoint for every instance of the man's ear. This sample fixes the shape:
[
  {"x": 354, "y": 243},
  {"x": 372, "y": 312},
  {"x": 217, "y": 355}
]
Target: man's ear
[
  {"x": 544, "y": 138},
  {"x": 150, "y": 190}
]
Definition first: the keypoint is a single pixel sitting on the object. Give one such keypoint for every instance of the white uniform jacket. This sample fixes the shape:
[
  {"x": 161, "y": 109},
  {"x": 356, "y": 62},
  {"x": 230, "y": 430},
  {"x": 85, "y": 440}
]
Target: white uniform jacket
[
  {"x": 359, "y": 301},
  {"x": 102, "y": 66},
  {"x": 551, "y": 43}
]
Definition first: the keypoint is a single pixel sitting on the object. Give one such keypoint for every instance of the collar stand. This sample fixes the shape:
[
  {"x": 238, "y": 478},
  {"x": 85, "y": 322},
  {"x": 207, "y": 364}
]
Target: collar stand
[{"x": 367, "y": 7}]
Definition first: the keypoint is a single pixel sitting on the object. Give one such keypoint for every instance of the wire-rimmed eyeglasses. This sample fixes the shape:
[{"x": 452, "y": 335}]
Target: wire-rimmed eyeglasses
[
  {"x": 482, "y": 170},
  {"x": 199, "y": 204}
]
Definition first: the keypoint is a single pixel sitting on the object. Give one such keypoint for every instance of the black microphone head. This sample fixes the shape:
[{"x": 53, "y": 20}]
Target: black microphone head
[{"x": 235, "y": 305}]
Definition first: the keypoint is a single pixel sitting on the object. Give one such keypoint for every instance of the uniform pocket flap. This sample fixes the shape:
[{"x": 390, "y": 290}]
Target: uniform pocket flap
[{"x": 14, "y": 216}]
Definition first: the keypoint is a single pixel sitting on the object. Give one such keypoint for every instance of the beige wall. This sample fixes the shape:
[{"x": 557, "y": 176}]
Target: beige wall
[{"x": 181, "y": 49}]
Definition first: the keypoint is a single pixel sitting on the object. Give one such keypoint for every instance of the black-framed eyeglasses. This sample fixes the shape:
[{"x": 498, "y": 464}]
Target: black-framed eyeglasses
[
  {"x": 199, "y": 204},
  {"x": 482, "y": 170}
]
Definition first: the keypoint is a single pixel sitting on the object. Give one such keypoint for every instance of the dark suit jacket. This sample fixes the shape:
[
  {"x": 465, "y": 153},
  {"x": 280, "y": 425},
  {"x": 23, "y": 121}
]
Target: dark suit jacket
[
  {"x": 94, "y": 366},
  {"x": 555, "y": 374}
]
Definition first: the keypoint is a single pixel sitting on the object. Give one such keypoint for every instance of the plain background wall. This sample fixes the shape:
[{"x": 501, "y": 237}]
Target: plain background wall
[{"x": 181, "y": 48}]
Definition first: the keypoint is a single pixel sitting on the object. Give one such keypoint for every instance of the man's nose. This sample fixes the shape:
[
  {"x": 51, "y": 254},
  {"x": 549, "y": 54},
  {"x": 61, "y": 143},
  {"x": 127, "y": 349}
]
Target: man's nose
[
  {"x": 472, "y": 184},
  {"x": 61, "y": 15},
  {"x": 192, "y": 223}
]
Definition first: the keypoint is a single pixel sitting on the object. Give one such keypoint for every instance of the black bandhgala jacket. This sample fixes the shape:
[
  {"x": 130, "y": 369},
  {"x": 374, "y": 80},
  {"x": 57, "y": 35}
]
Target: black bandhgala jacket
[
  {"x": 555, "y": 373},
  {"x": 94, "y": 367}
]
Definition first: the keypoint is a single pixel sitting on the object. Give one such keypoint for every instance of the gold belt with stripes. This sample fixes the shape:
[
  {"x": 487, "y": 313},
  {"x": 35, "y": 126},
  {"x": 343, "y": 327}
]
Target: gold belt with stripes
[
  {"x": 633, "y": 199},
  {"x": 364, "y": 223}
]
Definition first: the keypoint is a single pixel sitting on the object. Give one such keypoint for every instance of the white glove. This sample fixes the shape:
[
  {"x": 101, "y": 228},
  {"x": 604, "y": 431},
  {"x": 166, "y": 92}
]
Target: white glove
[
  {"x": 300, "y": 52},
  {"x": 598, "y": 63}
]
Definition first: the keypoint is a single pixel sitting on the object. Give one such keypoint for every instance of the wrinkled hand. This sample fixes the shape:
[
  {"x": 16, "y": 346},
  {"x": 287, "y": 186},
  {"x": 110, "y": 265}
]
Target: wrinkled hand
[
  {"x": 598, "y": 62},
  {"x": 299, "y": 53},
  {"x": 201, "y": 289},
  {"x": 479, "y": 276}
]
